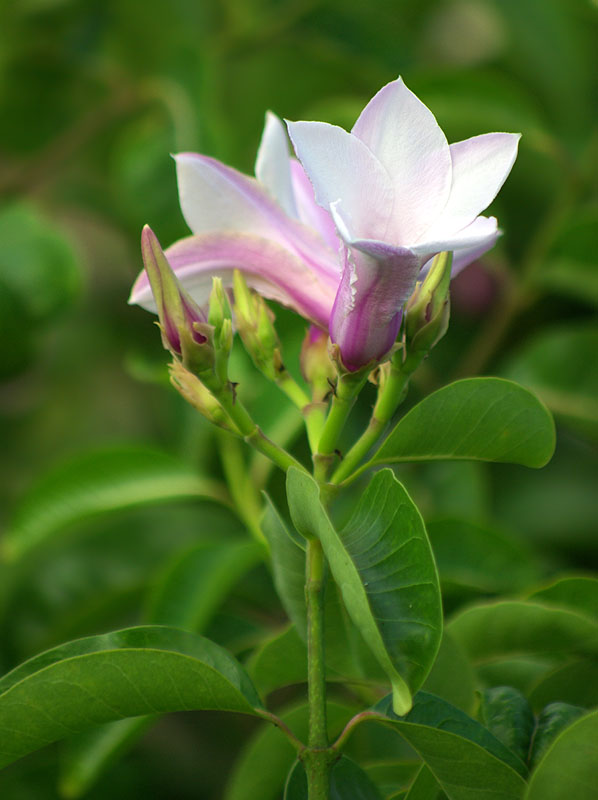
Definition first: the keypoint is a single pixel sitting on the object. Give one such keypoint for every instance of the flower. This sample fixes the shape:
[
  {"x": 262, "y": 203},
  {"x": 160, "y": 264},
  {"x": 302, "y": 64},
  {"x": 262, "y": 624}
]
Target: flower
[
  {"x": 341, "y": 235},
  {"x": 398, "y": 194}
]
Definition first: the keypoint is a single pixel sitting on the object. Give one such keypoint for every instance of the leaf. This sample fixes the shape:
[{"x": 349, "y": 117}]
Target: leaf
[
  {"x": 100, "y": 482},
  {"x": 479, "y": 558},
  {"x": 467, "y": 761},
  {"x": 146, "y": 670},
  {"x": 196, "y": 583},
  {"x": 347, "y": 782},
  {"x": 559, "y": 364},
  {"x": 384, "y": 567},
  {"x": 452, "y": 677},
  {"x": 575, "y": 682},
  {"x": 482, "y": 419},
  {"x": 424, "y": 787},
  {"x": 578, "y": 593},
  {"x": 261, "y": 770},
  {"x": 570, "y": 766},
  {"x": 493, "y": 630},
  {"x": 553, "y": 719},
  {"x": 507, "y": 714},
  {"x": 288, "y": 567},
  {"x": 280, "y": 661},
  {"x": 192, "y": 587}
]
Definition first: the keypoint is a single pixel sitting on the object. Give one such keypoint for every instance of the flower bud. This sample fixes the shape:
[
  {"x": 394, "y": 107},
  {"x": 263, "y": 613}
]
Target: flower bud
[
  {"x": 185, "y": 331},
  {"x": 427, "y": 310},
  {"x": 197, "y": 395},
  {"x": 255, "y": 323}
]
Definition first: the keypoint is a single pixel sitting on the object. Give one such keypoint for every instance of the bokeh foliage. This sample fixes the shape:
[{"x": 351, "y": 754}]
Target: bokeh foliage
[{"x": 94, "y": 95}]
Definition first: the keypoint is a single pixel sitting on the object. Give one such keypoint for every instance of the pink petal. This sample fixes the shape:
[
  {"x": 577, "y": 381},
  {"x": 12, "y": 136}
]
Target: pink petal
[
  {"x": 310, "y": 213},
  {"x": 216, "y": 199},
  {"x": 376, "y": 281},
  {"x": 269, "y": 268},
  {"x": 272, "y": 167},
  {"x": 405, "y": 137},
  {"x": 341, "y": 167},
  {"x": 480, "y": 167}
]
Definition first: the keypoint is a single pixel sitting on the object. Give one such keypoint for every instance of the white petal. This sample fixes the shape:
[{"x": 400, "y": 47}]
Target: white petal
[
  {"x": 405, "y": 137},
  {"x": 341, "y": 167},
  {"x": 480, "y": 167},
  {"x": 310, "y": 213},
  {"x": 272, "y": 167},
  {"x": 481, "y": 231}
]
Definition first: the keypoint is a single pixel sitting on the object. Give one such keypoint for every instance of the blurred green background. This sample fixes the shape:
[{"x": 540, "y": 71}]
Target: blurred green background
[{"x": 95, "y": 94}]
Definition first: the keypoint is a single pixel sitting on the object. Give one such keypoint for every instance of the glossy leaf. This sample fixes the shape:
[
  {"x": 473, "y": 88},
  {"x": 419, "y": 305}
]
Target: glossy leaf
[
  {"x": 383, "y": 564},
  {"x": 95, "y": 483},
  {"x": 127, "y": 673},
  {"x": 482, "y": 419},
  {"x": 452, "y": 677},
  {"x": 262, "y": 768},
  {"x": 570, "y": 766},
  {"x": 467, "y": 761},
  {"x": 507, "y": 714},
  {"x": 280, "y": 661},
  {"x": 553, "y": 719}
]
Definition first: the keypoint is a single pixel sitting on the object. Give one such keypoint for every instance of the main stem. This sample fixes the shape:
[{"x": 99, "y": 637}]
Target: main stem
[{"x": 317, "y": 757}]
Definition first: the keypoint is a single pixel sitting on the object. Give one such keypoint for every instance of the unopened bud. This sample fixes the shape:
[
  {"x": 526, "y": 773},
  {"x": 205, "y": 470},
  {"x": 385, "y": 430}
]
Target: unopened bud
[
  {"x": 197, "y": 395},
  {"x": 185, "y": 331},
  {"x": 255, "y": 323},
  {"x": 428, "y": 309}
]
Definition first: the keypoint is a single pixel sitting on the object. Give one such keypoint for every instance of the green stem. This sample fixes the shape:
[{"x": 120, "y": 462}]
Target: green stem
[
  {"x": 347, "y": 388},
  {"x": 246, "y": 498},
  {"x": 251, "y": 432},
  {"x": 317, "y": 757},
  {"x": 387, "y": 403}
]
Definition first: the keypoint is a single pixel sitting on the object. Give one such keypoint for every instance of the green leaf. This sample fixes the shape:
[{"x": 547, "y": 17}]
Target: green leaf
[
  {"x": 100, "y": 482},
  {"x": 347, "y": 782},
  {"x": 507, "y": 714},
  {"x": 494, "y": 630},
  {"x": 288, "y": 567},
  {"x": 559, "y": 364},
  {"x": 383, "y": 564},
  {"x": 424, "y": 787},
  {"x": 197, "y": 581},
  {"x": 575, "y": 682},
  {"x": 481, "y": 419},
  {"x": 467, "y": 761},
  {"x": 127, "y": 673},
  {"x": 452, "y": 677},
  {"x": 261, "y": 770},
  {"x": 192, "y": 587},
  {"x": 579, "y": 593},
  {"x": 553, "y": 719},
  {"x": 280, "y": 661},
  {"x": 570, "y": 766},
  {"x": 485, "y": 560}
]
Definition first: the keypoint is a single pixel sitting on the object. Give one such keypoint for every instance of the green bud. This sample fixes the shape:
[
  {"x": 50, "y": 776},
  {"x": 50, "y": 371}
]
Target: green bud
[
  {"x": 317, "y": 368},
  {"x": 197, "y": 395},
  {"x": 255, "y": 323},
  {"x": 219, "y": 310},
  {"x": 428, "y": 309}
]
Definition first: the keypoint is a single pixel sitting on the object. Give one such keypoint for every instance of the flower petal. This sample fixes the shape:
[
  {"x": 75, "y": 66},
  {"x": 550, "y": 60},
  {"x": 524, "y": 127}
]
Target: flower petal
[
  {"x": 481, "y": 231},
  {"x": 341, "y": 167},
  {"x": 376, "y": 281},
  {"x": 272, "y": 167},
  {"x": 216, "y": 198},
  {"x": 310, "y": 213},
  {"x": 480, "y": 167},
  {"x": 269, "y": 268},
  {"x": 405, "y": 137},
  {"x": 463, "y": 258}
]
